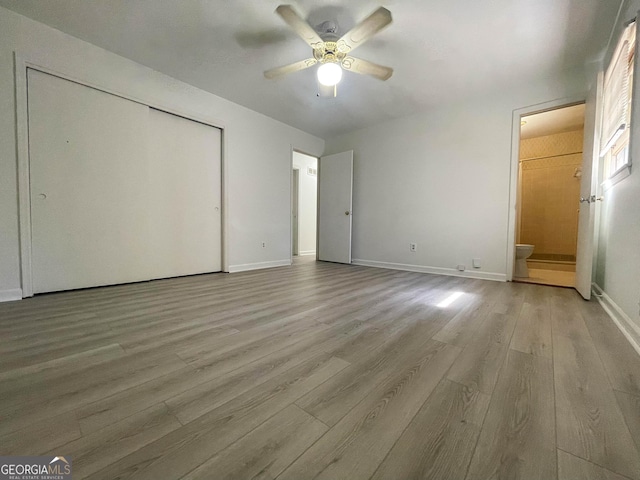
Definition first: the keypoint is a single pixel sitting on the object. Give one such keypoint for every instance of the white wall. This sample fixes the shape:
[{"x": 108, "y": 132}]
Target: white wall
[
  {"x": 441, "y": 179},
  {"x": 307, "y": 203},
  {"x": 618, "y": 258},
  {"x": 257, "y": 149}
]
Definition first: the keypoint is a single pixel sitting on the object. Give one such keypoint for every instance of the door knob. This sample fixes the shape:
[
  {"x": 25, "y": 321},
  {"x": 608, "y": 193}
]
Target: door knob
[
  {"x": 347, "y": 212},
  {"x": 42, "y": 196},
  {"x": 591, "y": 199}
]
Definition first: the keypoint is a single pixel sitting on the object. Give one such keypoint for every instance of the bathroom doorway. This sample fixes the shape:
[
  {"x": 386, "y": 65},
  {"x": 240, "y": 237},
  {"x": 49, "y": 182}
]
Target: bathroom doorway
[{"x": 548, "y": 200}]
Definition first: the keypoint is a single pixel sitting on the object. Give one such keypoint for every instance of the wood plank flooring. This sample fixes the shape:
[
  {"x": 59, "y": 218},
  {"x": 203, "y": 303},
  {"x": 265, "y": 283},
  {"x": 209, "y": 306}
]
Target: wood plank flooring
[{"x": 320, "y": 371}]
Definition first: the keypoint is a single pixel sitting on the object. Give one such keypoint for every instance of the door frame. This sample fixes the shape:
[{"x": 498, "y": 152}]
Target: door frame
[
  {"x": 515, "y": 167},
  {"x": 291, "y": 169},
  {"x": 295, "y": 212},
  {"x": 22, "y": 64}
]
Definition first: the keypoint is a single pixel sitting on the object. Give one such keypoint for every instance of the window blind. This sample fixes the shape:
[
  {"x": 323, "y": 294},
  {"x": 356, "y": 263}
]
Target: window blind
[{"x": 616, "y": 91}]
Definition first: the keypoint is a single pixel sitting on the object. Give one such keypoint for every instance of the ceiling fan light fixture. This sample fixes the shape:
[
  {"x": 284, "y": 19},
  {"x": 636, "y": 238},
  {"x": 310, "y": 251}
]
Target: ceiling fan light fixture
[
  {"x": 331, "y": 52},
  {"x": 329, "y": 74}
]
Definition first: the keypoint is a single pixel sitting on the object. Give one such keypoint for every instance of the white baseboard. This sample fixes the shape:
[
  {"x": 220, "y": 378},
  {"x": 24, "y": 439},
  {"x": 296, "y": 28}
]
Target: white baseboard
[
  {"x": 304, "y": 253},
  {"x": 627, "y": 326},
  {"x": 498, "y": 277},
  {"x": 257, "y": 266},
  {"x": 10, "y": 295}
]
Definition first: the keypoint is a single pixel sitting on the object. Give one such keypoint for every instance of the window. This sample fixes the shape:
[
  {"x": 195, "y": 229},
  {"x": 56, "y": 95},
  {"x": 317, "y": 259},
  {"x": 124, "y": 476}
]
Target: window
[{"x": 616, "y": 119}]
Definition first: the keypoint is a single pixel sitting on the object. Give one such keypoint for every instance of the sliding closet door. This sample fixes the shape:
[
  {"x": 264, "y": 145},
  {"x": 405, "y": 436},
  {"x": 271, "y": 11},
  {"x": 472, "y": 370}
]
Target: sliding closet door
[
  {"x": 185, "y": 188},
  {"x": 88, "y": 208},
  {"x": 119, "y": 193}
]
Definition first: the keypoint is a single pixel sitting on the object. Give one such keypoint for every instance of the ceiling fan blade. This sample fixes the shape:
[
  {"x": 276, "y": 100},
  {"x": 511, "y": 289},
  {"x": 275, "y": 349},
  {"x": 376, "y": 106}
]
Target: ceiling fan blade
[
  {"x": 300, "y": 26},
  {"x": 293, "y": 67},
  {"x": 365, "y": 67},
  {"x": 364, "y": 30}
]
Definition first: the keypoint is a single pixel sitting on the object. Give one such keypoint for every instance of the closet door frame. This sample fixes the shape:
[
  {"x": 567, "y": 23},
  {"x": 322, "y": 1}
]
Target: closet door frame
[{"x": 22, "y": 64}]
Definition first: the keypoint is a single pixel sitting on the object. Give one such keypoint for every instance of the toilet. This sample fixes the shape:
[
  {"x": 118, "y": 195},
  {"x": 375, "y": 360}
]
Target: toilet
[{"x": 523, "y": 251}]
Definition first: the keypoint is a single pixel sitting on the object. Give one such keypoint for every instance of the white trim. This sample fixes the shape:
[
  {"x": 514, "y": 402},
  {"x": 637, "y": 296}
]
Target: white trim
[
  {"x": 515, "y": 159},
  {"x": 295, "y": 224},
  {"x": 622, "y": 173},
  {"x": 224, "y": 198},
  {"x": 24, "y": 201},
  {"x": 306, "y": 252},
  {"x": 498, "y": 277},
  {"x": 10, "y": 295},
  {"x": 258, "y": 266},
  {"x": 291, "y": 167},
  {"x": 628, "y": 328},
  {"x": 22, "y": 63}
]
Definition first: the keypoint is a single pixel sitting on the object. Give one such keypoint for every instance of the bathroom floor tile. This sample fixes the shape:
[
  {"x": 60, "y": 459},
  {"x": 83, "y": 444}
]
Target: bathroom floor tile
[{"x": 549, "y": 277}]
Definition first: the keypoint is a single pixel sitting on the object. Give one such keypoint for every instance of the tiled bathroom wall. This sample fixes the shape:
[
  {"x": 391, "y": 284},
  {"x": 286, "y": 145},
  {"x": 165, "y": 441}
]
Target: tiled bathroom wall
[{"x": 550, "y": 193}]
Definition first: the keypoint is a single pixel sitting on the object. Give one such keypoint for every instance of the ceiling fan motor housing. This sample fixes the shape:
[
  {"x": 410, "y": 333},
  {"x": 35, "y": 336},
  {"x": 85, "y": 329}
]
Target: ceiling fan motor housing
[{"x": 329, "y": 52}]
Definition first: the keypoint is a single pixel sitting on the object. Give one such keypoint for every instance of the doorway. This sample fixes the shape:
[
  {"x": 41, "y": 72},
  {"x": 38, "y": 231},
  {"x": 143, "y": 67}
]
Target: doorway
[
  {"x": 304, "y": 194},
  {"x": 548, "y": 195}
]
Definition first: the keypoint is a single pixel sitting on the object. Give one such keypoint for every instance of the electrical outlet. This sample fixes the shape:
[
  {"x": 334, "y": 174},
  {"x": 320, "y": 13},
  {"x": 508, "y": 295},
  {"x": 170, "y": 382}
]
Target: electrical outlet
[
  {"x": 413, "y": 247},
  {"x": 264, "y": 244},
  {"x": 461, "y": 268},
  {"x": 477, "y": 263}
]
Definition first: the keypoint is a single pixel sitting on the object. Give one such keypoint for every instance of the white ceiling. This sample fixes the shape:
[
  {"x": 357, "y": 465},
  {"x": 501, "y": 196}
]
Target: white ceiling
[
  {"x": 440, "y": 49},
  {"x": 554, "y": 121}
]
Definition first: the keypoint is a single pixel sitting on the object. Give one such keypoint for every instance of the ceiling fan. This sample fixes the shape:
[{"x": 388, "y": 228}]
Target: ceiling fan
[{"x": 331, "y": 52}]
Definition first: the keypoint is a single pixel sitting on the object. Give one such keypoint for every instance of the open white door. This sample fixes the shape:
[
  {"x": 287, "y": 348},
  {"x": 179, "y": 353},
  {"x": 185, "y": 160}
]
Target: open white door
[
  {"x": 588, "y": 191},
  {"x": 335, "y": 176}
]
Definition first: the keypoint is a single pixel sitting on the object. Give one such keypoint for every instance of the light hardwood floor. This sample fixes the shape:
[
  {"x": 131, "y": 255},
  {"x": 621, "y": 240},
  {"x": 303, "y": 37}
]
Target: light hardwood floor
[{"x": 320, "y": 371}]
